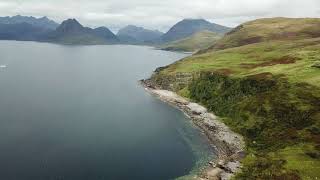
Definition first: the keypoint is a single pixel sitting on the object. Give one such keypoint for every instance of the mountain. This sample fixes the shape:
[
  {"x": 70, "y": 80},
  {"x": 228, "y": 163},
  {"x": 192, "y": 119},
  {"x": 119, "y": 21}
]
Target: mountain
[
  {"x": 197, "y": 41},
  {"x": 263, "y": 80},
  {"x": 72, "y": 32},
  {"x": 22, "y": 32},
  {"x": 43, "y": 22},
  {"x": 137, "y": 35},
  {"x": 106, "y": 34},
  {"x": 70, "y": 26},
  {"x": 188, "y": 27}
]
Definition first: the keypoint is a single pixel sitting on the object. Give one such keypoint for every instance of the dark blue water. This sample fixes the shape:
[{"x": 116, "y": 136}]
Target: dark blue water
[{"x": 78, "y": 113}]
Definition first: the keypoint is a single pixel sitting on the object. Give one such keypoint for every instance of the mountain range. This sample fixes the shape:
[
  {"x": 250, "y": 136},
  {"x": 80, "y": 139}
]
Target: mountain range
[
  {"x": 181, "y": 30},
  {"x": 42, "y": 22},
  {"x": 138, "y": 35},
  {"x": 28, "y": 28}
]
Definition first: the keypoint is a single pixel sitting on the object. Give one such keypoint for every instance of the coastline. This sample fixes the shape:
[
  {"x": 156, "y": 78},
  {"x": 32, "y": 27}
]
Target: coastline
[{"x": 229, "y": 146}]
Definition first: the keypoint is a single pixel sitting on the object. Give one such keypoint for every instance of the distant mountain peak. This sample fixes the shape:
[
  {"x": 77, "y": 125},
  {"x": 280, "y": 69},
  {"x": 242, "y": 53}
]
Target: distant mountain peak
[
  {"x": 138, "y": 35},
  {"x": 194, "y": 19},
  {"x": 71, "y": 21},
  {"x": 132, "y": 26},
  {"x": 70, "y": 26},
  {"x": 102, "y": 28},
  {"x": 72, "y": 32},
  {"x": 188, "y": 27},
  {"x": 106, "y": 34},
  {"x": 45, "y": 18}
]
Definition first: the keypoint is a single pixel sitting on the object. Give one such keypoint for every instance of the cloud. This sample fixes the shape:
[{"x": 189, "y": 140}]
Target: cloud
[{"x": 157, "y": 14}]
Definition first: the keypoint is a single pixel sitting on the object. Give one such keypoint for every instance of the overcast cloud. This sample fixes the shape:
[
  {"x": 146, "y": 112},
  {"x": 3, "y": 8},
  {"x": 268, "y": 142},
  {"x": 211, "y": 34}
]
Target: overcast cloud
[{"x": 159, "y": 14}]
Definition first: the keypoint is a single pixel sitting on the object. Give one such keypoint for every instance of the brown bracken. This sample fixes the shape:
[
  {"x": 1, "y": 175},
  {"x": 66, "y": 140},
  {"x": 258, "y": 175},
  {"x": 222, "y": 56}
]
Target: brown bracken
[{"x": 282, "y": 60}]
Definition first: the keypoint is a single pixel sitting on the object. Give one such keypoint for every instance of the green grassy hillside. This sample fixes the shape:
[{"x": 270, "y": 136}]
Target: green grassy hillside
[
  {"x": 268, "y": 90},
  {"x": 198, "y": 41},
  {"x": 270, "y": 29}
]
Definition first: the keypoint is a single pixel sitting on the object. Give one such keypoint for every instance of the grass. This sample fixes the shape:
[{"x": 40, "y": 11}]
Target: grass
[
  {"x": 305, "y": 53},
  {"x": 263, "y": 79},
  {"x": 298, "y": 160},
  {"x": 200, "y": 40},
  {"x": 268, "y": 29}
]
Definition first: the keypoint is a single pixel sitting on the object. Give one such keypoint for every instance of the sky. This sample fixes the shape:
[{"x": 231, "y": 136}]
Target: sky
[{"x": 159, "y": 14}]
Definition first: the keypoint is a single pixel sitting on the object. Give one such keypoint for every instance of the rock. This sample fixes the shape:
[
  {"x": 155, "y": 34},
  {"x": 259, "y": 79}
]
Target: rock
[
  {"x": 233, "y": 166},
  {"x": 316, "y": 65},
  {"x": 209, "y": 123},
  {"x": 209, "y": 116},
  {"x": 213, "y": 164},
  {"x": 221, "y": 163},
  {"x": 240, "y": 154},
  {"x": 226, "y": 176},
  {"x": 214, "y": 173},
  {"x": 196, "y": 108}
]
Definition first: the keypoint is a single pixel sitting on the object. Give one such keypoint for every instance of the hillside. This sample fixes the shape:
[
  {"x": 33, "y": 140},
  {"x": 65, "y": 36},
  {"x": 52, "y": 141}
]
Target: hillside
[
  {"x": 263, "y": 80},
  {"x": 138, "y": 35},
  {"x": 198, "y": 41},
  {"x": 188, "y": 27},
  {"x": 71, "y": 32},
  {"x": 270, "y": 29}
]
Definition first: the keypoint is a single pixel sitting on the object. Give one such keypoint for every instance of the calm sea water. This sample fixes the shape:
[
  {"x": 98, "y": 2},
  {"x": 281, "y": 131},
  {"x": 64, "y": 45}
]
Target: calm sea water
[{"x": 78, "y": 113}]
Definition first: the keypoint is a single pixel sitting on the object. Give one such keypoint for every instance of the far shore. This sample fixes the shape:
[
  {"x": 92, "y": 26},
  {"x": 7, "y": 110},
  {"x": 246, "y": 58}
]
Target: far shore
[{"x": 229, "y": 146}]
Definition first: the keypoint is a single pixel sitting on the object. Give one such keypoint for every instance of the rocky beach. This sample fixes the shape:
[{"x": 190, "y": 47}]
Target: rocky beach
[{"x": 228, "y": 145}]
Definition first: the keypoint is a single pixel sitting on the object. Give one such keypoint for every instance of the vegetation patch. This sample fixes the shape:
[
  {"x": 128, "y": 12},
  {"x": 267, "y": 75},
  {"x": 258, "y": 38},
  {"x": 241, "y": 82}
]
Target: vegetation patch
[
  {"x": 316, "y": 65},
  {"x": 295, "y": 60},
  {"x": 282, "y": 60},
  {"x": 195, "y": 42},
  {"x": 224, "y": 71},
  {"x": 301, "y": 158},
  {"x": 270, "y": 117}
]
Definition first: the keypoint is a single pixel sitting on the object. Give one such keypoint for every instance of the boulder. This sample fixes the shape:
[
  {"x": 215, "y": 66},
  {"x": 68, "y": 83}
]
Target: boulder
[{"x": 316, "y": 65}]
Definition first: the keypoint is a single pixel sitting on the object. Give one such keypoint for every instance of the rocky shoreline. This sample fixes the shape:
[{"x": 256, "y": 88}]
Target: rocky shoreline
[{"x": 229, "y": 146}]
